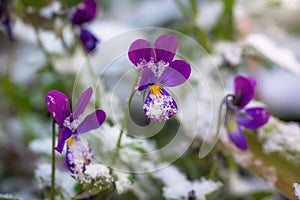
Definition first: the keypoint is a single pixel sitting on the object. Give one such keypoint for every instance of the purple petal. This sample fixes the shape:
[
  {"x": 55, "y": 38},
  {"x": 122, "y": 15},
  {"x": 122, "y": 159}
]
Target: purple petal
[
  {"x": 140, "y": 51},
  {"x": 85, "y": 12},
  {"x": 64, "y": 134},
  {"x": 88, "y": 40},
  {"x": 147, "y": 78},
  {"x": 8, "y": 26},
  {"x": 82, "y": 103},
  {"x": 68, "y": 161},
  {"x": 92, "y": 121},
  {"x": 239, "y": 139},
  {"x": 235, "y": 132},
  {"x": 244, "y": 90},
  {"x": 165, "y": 47},
  {"x": 177, "y": 73},
  {"x": 253, "y": 81},
  {"x": 58, "y": 106},
  {"x": 160, "y": 107},
  {"x": 257, "y": 118}
]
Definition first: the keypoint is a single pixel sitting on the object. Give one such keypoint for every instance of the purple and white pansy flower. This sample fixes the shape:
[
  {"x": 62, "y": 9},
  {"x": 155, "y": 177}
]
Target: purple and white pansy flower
[
  {"x": 72, "y": 124},
  {"x": 159, "y": 70},
  {"x": 237, "y": 116}
]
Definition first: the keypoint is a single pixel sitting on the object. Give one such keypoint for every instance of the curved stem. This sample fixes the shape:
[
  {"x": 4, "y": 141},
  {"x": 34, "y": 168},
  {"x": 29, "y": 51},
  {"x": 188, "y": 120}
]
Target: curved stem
[
  {"x": 53, "y": 162},
  {"x": 126, "y": 114}
]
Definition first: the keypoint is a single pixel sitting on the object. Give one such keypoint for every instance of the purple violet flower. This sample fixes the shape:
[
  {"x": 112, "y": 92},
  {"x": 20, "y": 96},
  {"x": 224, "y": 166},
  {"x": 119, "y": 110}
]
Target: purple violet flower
[
  {"x": 8, "y": 26},
  {"x": 88, "y": 40},
  {"x": 159, "y": 70},
  {"x": 72, "y": 124},
  {"x": 237, "y": 116},
  {"x": 85, "y": 12}
]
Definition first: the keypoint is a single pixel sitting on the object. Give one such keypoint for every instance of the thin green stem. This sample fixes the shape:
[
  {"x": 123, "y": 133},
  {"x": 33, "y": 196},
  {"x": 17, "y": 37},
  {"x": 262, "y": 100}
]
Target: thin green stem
[
  {"x": 38, "y": 38},
  {"x": 125, "y": 118},
  {"x": 126, "y": 114},
  {"x": 94, "y": 78},
  {"x": 213, "y": 169},
  {"x": 53, "y": 162}
]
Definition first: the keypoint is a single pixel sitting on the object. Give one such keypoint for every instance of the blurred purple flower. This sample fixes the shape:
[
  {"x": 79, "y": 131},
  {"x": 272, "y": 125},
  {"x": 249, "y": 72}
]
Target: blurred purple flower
[
  {"x": 88, "y": 40},
  {"x": 237, "y": 116},
  {"x": 6, "y": 13},
  {"x": 72, "y": 124},
  {"x": 159, "y": 70},
  {"x": 8, "y": 26},
  {"x": 84, "y": 12}
]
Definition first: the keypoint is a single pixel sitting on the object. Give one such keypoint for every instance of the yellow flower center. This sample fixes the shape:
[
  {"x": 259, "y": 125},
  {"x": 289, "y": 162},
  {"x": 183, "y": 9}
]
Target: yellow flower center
[
  {"x": 70, "y": 140},
  {"x": 232, "y": 125},
  {"x": 156, "y": 90}
]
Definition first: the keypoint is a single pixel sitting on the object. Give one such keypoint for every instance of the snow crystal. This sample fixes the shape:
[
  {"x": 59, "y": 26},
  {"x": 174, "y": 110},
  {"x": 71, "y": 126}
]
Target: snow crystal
[
  {"x": 297, "y": 190},
  {"x": 123, "y": 182},
  {"x": 177, "y": 186},
  {"x": 97, "y": 170},
  {"x": 232, "y": 52},
  {"x": 281, "y": 137},
  {"x": 160, "y": 107},
  {"x": 79, "y": 154},
  {"x": 42, "y": 146},
  {"x": 281, "y": 56}
]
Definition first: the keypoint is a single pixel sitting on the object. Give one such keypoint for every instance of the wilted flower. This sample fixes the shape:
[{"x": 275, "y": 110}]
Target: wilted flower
[
  {"x": 72, "y": 124},
  {"x": 89, "y": 41},
  {"x": 236, "y": 114},
  {"x": 158, "y": 70}
]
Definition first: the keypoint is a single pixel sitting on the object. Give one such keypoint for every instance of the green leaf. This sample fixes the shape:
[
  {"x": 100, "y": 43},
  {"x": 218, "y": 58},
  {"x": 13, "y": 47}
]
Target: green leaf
[
  {"x": 225, "y": 25},
  {"x": 7, "y": 197},
  {"x": 261, "y": 195},
  {"x": 69, "y": 3},
  {"x": 35, "y": 3}
]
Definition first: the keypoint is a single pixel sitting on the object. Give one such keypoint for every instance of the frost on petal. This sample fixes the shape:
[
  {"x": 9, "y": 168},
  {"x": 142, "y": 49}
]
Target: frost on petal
[
  {"x": 78, "y": 155},
  {"x": 160, "y": 107},
  {"x": 58, "y": 106}
]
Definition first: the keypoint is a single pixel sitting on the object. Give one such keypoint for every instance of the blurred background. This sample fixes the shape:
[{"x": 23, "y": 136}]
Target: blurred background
[{"x": 40, "y": 50}]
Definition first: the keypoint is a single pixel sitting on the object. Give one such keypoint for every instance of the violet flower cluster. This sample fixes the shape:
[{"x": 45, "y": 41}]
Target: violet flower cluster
[
  {"x": 83, "y": 13},
  {"x": 72, "y": 124},
  {"x": 237, "y": 116},
  {"x": 159, "y": 70}
]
